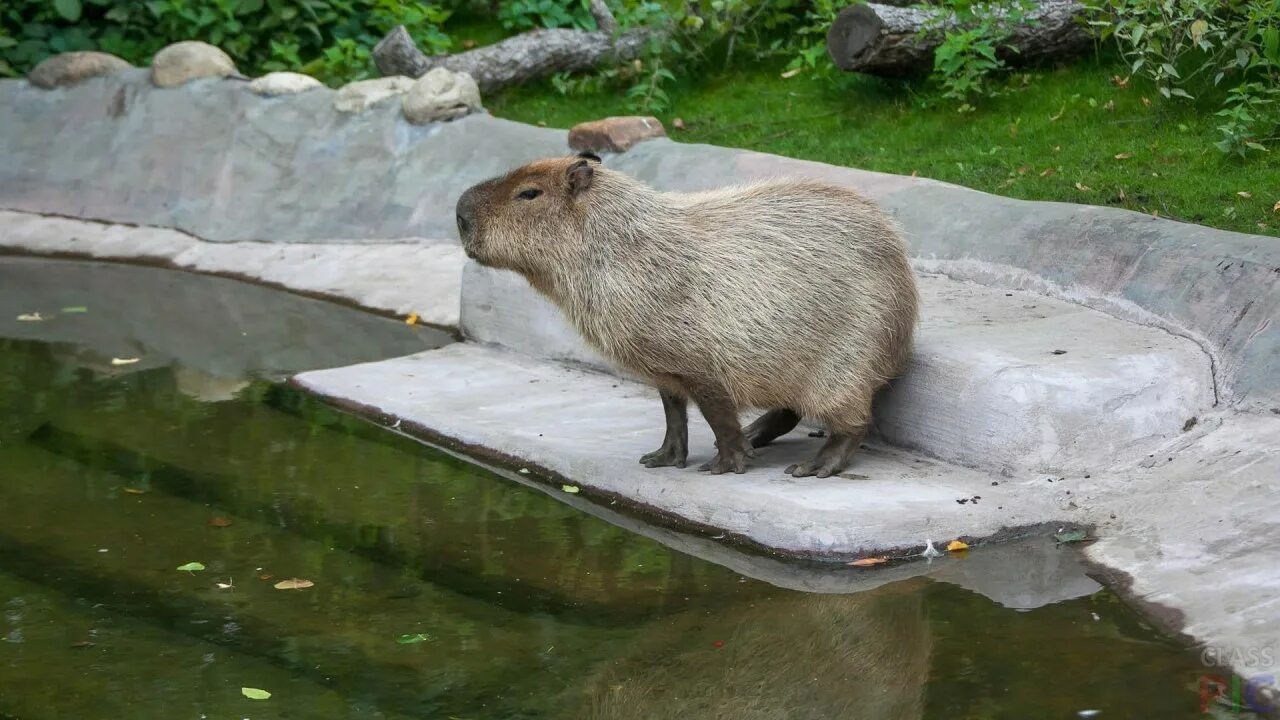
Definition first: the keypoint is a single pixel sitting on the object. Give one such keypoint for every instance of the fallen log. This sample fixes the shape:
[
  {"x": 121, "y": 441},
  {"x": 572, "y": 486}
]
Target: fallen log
[
  {"x": 528, "y": 56},
  {"x": 884, "y": 40}
]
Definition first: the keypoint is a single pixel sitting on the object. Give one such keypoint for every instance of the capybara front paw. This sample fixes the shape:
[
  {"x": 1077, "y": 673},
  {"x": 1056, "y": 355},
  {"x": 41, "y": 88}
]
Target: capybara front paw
[
  {"x": 813, "y": 468},
  {"x": 735, "y": 462},
  {"x": 665, "y": 456}
]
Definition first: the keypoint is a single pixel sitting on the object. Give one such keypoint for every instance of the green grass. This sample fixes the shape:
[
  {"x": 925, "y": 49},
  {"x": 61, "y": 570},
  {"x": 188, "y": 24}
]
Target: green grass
[{"x": 1055, "y": 138}]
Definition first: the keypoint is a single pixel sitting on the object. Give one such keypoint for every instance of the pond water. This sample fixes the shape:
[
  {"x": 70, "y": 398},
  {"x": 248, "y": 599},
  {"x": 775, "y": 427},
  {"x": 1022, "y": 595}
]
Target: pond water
[{"x": 439, "y": 589}]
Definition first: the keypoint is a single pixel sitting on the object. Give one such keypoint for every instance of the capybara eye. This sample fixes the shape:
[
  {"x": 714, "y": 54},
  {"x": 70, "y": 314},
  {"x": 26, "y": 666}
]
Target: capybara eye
[{"x": 529, "y": 194}]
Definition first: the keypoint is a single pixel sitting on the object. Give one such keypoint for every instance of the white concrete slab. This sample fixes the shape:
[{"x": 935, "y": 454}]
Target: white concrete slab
[
  {"x": 420, "y": 277},
  {"x": 591, "y": 428}
]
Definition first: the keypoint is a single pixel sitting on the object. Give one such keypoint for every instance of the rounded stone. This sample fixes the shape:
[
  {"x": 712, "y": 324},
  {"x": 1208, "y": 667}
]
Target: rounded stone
[
  {"x": 70, "y": 68},
  {"x": 283, "y": 83},
  {"x": 363, "y": 94},
  {"x": 441, "y": 94},
  {"x": 182, "y": 62}
]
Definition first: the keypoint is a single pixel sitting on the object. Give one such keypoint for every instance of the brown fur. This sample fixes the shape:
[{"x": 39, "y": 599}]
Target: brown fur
[{"x": 789, "y": 294}]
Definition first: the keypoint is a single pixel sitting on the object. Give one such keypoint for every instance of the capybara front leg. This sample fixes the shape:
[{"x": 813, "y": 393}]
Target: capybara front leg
[
  {"x": 675, "y": 444},
  {"x": 732, "y": 449},
  {"x": 771, "y": 426}
]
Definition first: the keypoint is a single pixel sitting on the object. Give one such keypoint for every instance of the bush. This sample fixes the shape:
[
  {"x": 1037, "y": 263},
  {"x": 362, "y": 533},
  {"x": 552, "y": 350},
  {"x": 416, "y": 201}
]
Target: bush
[
  {"x": 1225, "y": 51},
  {"x": 328, "y": 38}
]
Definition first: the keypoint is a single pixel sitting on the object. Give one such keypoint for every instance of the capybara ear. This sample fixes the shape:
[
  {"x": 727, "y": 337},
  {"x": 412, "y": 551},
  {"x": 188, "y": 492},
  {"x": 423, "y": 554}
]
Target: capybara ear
[
  {"x": 580, "y": 175},
  {"x": 589, "y": 156}
]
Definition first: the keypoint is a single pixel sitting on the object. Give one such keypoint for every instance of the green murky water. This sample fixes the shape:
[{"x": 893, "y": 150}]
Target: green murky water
[{"x": 112, "y": 476}]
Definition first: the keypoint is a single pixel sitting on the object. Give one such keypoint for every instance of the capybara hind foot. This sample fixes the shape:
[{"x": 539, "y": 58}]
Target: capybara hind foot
[
  {"x": 771, "y": 426},
  {"x": 831, "y": 459},
  {"x": 735, "y": 460},
  {"x": 669, "y": 455}
]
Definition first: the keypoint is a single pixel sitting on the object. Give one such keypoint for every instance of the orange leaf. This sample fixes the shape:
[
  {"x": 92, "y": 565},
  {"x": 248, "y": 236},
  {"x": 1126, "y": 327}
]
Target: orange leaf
[
  {"x": 294, "y": 584},
  {"x": 956, "y": 546},
  {"x": 412, "y": 319},
  {"x": 868, "y": 562},
  {"x": 219, "y": 522}
]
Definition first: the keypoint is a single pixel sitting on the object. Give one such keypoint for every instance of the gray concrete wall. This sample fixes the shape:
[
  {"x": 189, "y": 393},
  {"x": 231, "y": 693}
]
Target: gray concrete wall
[{"x": 221, "y": 163}]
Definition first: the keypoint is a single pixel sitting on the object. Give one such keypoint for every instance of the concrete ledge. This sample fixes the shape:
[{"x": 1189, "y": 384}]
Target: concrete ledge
[
  {"x": 592, "y": 428},
  {"x": 999, "y": 380},
  {"x": 406, "y": 277}
]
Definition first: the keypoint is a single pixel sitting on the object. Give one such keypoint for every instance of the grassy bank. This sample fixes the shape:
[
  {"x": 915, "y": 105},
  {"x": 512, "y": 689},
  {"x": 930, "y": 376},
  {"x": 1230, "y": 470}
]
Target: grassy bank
[{"x": 1071, "y": 134}]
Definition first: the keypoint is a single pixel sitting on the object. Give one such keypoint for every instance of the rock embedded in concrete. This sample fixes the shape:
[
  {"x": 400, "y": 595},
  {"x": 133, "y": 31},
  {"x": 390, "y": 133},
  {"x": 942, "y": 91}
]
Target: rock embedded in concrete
[
  {"x": 441, "y": 94},
  {"x": 614, "y": 134},
  {"x": 182, "y": 62},
  {"x": 358, "y": 96},
  {"x": 70, "y": 68},
  {"x": 283, "y": 83}
]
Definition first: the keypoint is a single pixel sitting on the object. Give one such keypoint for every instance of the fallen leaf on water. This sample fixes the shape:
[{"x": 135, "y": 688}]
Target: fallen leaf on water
[
  {"x": 718, "y": 644},
  {"x": 294, "y": 584},
  {"x": 868, "y": 562},
  {"x": 265, "y": 577},
  {"x": 412, "y": 638},
  {"x": 124, "y": 361},
  {"x": 956, "y": 546},
  {"x": 1245, "y": 194},
  {"x": 191, "y": 567},
  {"x": 82, "y": 644},
  {"x": 219, "y": 522},
  {"x": 31, "y": 317},
  {"x": 254, "y": 693},
  {"x": 1070, "y": 536},
  {"x": 75, "y": 309},
  {"x": 412, "y": 319},
  {"x": 229, "y": 584},
  {"x": 1124, "y": 155},
  {"x": 571, "y": 489},
  {"x": 134, "y": 491}
]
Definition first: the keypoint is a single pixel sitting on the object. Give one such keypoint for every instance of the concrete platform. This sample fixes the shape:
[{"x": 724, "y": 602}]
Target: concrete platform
[
  {"x": 590, "y": 429},
  {"x": 1000, "y": 380}
]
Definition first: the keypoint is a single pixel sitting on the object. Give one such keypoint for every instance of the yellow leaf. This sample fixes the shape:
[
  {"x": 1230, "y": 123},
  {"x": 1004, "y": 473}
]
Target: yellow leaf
[
  {"x": 134, "y": 491},
  {"x": 254, "y": 693},
  {"x": 124, "y": 361},
  {"x": 1245, "y": 194},
  {"x": 1082, "y": 187},
  {"x": 294, "y": 584},
  {"x": 1124, "y": 156},
  {"x": 412, "y": 319},
  {"x": 1047, "y": 172},
  {"x": 868, "y": 562},
  {"x": 1198, "y": 29},
  {"x": 956, "y": 546},
  {"x": 1146, "y": 102},
  {"x": 1276, "y": 207},
  {"x": 1110, "y": 106},
  {"x": 571, "y": 489}
]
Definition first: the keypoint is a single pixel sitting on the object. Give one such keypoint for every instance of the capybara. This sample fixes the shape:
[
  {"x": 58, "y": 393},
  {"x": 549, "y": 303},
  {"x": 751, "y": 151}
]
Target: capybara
[{"x": 792, "y": 296}]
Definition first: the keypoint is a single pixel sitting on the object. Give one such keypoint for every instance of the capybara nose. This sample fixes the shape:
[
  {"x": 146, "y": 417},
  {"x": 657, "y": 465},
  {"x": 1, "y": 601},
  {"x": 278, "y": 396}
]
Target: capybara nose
[{"x": 466, "y": 212}]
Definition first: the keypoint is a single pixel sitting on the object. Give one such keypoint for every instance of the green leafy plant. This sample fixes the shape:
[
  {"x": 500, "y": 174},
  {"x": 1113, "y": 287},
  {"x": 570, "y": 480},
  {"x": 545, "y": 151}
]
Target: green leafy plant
[
  {"x": 973, "y": 35},
  {"x": 330, "y": 37},
  {"x": 1220, "y": 51}
]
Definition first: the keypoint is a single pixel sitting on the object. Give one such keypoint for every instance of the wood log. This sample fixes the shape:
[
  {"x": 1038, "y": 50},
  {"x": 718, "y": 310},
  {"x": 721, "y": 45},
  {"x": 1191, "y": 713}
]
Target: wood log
[
  {"x": 885, "y": 40},
  {"x": 528, "y": 56}
]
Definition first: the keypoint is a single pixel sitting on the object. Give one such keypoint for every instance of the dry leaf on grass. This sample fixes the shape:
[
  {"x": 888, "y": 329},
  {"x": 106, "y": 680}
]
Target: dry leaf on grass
[{"x": 1124, "y": 155}]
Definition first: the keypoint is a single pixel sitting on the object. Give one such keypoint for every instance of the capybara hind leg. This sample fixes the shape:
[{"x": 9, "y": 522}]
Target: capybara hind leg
[
  {"x": 833, "y": 458},
  {"x": 771, "y": 426},
  {"x": 675, "y": 444},
  {"x": 835, "y": 454},
  {"x": 732, "y": 449}
]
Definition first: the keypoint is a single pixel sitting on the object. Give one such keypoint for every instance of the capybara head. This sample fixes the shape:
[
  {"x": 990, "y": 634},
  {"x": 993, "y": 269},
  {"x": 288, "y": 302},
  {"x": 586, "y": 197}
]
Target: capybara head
[{"x": 528, "y": 217}]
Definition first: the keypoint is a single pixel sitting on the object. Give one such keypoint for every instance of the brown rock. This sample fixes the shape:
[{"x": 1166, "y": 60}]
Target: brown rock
[
  {"x": 70, "y": 68},
  {"x": 614, "y": 134}
]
